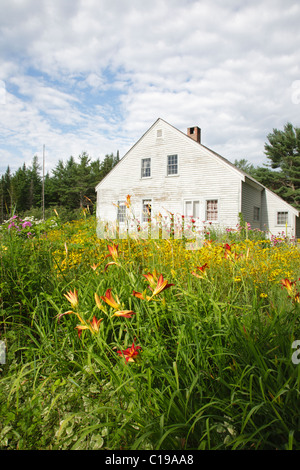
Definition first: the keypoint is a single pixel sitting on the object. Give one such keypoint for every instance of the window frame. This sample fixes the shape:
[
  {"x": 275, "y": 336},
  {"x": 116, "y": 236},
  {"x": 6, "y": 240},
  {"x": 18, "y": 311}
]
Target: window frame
[
  {"x": 121, "y": 205},
  {"x": 206, "y": 209},
  {"x": 193, "y": 202},
  {"x": 172, "y": 164},
  {"x": 286, "y": 222},
  {"x": 144, "y": 168},
  {"x": 256, "y": 213},
  {"x": 145, "y": 217}
]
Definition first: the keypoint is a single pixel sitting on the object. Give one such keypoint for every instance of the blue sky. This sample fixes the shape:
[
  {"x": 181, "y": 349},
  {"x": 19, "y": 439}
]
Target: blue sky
[{"x": 93, "y": 75}]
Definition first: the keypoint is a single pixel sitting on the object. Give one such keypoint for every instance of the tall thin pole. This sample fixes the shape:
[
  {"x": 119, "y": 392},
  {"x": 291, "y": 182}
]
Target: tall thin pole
[{"x": 43, "y": 186}]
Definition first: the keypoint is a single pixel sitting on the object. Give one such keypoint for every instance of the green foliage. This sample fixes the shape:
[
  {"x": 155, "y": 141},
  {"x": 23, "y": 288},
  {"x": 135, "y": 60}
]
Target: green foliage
[
  {"x": 214, "y": 371},
  {"x": 71, "y": 186}
]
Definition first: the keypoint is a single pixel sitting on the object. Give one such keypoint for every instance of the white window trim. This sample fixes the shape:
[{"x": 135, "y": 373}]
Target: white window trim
[
  {"x": 167, "y": 166},
  {"x": 288, "y": 223},
  {"x": 216, "y": 221},
  {"x": 119, "y": 204},
  {"x": 142, "y": 210},
  {"x": 192, "y": 200},
  {"x": 146, "y": 177}
]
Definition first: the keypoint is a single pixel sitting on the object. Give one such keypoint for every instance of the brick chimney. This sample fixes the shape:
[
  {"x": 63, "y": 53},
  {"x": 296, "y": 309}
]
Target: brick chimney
[{"x": 194, "y": 133}]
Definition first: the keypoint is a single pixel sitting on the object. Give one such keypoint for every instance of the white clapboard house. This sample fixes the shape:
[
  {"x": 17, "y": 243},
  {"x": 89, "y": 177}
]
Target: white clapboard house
[{"x": 169, "y": 172}]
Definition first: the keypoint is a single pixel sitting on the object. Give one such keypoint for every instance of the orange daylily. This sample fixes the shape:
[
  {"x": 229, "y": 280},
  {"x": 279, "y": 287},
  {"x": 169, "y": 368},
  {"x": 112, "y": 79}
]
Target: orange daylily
[
  {"x": 128, "y": 202},
  {"x": 151, "y": 278},
  {"x": 291, "y": 288},
  {"x": 93, "y": 326},
  {"x": 124, "y": 313},
  {"x": 288, "y": 284},
  {"x": 108, "y": 298},
  {"x": 156, "y": 286},
  {"x": 114, "y": 303},
  {"x": 114, "y": 253},
  {"x": 130, "y": 353},
  {"x": 161, "y": 285},
  {"x": 72, "y": 298},
  {"x": 202, "y": 270}
]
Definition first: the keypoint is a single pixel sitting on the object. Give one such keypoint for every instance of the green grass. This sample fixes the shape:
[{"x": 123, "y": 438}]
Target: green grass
[{"x": 213, "y": 372}]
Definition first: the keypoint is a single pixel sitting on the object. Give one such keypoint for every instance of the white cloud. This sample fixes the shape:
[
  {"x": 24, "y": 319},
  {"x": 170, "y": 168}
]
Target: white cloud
[{"x": 93, "y": 75}]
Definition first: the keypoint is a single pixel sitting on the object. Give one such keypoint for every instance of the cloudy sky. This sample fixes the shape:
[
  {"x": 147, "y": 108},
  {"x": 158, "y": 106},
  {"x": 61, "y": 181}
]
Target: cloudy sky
[{"x": 94, "y": 75}]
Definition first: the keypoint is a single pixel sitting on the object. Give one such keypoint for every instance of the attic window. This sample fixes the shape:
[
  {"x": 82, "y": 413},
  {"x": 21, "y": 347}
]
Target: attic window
[{"x": 159, "y": 133}]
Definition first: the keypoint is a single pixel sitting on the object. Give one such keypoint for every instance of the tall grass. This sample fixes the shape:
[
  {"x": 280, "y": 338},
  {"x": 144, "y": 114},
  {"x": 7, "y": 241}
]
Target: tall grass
[{"x": 214, "y": 370}]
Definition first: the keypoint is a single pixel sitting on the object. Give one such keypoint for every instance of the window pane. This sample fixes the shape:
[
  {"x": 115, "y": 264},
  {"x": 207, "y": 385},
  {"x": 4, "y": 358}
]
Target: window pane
[
  {"x": 212, "y": 210},
  {"x": 172, "y": 164},
  {"x": 282, "y": 218},
  {"x": 146, "y": 167},
  {"x": 121, "y": 212},
  {"x": 256, "y": 213},
  {"x": 196, "y": 209},
  {"x": 189, "y": 209},
  {"x": 146, "y": 215}
]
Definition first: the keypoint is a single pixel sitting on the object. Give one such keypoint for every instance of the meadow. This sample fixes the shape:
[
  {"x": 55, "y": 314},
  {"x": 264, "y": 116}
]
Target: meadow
[{"x": 144, "y": 344}]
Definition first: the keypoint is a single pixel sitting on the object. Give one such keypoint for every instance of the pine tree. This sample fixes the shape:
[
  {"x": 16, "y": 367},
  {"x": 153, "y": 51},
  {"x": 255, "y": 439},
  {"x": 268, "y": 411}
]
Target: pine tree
[{"x": 283, "y": 151}]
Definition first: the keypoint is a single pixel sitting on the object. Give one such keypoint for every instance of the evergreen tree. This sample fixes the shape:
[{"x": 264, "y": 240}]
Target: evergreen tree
[{"x": 283, "y": 151}]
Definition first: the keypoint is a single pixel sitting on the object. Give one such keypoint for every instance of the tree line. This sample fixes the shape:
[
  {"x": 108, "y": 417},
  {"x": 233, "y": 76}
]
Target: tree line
[
  {"x": 71, "y": 185},
  {"x": 282, "y": 172}
]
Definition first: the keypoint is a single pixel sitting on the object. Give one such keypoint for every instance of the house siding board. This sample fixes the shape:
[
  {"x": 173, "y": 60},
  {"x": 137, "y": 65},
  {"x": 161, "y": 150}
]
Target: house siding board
[
  {"x": 251, "y": 197},
  {"x": 201, "y": 176}
]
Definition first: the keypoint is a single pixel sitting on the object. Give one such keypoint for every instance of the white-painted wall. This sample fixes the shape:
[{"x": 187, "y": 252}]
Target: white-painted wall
[{"x": 202, "y": 175}]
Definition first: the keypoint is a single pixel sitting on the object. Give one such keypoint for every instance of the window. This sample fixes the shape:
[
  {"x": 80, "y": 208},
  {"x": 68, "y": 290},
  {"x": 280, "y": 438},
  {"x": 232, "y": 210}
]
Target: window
[
  {"x": 282, "y": 218},
  {"x": 211, "y": 210},
  {"x": 172, "y": 165},
  {"x": 121, "y": 216},
  {"x": 146, "y": 167},
  {"x": 159, "y": 133},
  {"x": 192, "y": 209},
  {"x": 146, "y": 210},
  {"x": 256, "y": 213}
]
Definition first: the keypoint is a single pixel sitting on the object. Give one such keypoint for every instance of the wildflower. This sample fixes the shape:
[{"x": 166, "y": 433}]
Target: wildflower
[
  {"x": 124, "y": 313},
  {"x": 127, "y": 203},
  {"x": 288, "y": 284},
  {"x": 263, "y": 295},
  {"x": 130, "y": 353},
  {"x": 151, "y": 278},
  {"x": 72, "y": 297},
  {"x": 291, "y": 288},
  {"x": 156, "y": 286},
  {"x": 93, "y": 326},
  {"x": 26, "y": 224},
  {"x": 202, "y": 270},
  {"x": 108, "y": 298},
  {"x": 114, "y": 253},
  {"x": 114, "y": 303},
  {"x": 94, "y": 266}
]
